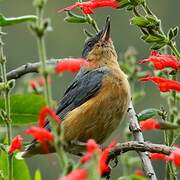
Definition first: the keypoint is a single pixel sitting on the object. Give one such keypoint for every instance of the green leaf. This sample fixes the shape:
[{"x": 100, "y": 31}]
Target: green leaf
[
  {"x": 24, "y": 108},
  {"x": 4, "y": 21},
  {"x": 175, "y": 31},
  {"x": 74, "y": 18},
  {"x": 130, "y": 7},
  {"x": 37, "y": 175},
  {"x": 154, "y": 38},
  {"x": 170, "y": 34},
  {"x": 20, "y": 169},
  {"x": 159, "y": 45},
  {"x": 136, "y": 2},
  {"x": 147, "y": 113},
  {"x": 139, "y": 21},
  {"x": 123, "y": 3},
  {"x": 153, "y": 21}
]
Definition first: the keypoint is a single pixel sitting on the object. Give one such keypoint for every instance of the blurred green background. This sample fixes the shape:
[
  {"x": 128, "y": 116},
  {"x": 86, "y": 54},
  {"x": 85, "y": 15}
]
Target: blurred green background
[{"x": 67, "y": 40}]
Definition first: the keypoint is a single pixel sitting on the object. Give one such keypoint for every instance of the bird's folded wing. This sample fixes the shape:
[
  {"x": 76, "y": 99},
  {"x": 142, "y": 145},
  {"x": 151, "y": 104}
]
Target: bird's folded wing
[{"x": 85, "y": 85}]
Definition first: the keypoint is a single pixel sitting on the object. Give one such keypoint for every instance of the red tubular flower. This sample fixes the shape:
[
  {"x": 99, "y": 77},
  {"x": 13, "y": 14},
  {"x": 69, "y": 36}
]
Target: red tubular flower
[
  {"x": 157, "y": 156},
  {"x": 88, "y": 6},
  {"x": 38, "y": 82},
  {"x": 45, "y": 111},
  {"x": 33, "y": 84},
  {"x": 78, "y": 174},
  {"x": 103, "y": 166},
  {"x": 40, "y": 134},
  {"x": 162, "y": 61},
  {"x": 149, "y": 124},
  {"x": 41, "y": 81},
  {"x": 93, "y": 147},
  {"x": 16, "y": 144},
  {"x": 70, "y": 64},
  {"x": 164, "y": 84},
  {"x": 85, "y": 158},
  {"x": 175, "y": 157}
]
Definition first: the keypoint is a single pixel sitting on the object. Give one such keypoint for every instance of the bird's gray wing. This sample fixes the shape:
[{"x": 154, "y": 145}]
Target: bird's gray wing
[{"x": 85, "y": 85}]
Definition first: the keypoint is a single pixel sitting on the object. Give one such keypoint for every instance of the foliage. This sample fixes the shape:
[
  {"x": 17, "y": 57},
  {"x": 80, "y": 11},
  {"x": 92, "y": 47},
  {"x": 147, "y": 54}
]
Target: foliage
[{"x": 23, "y": 109}]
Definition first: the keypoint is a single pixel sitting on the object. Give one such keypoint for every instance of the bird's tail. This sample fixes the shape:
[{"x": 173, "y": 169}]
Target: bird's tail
[{"x": 35, "y": 148}]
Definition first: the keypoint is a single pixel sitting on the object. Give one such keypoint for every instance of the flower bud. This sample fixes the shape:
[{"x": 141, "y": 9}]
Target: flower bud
[{"x": 39, "y": 3}]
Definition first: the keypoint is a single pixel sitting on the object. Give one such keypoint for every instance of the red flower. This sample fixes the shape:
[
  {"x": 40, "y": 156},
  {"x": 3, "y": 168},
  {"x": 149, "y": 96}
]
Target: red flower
[
  {"x": 149, "y": 124},
  {"x": 164, "y": 84},
  {"x": 88, "y": 6},
  {"x": 45, "y": 111},
  {"x": 175, "y": 157},
  {"x": 38, "y": 82},
  {"x": 16, "y": 144},
  {"x": 157, "y": 156},
  {"x": 139, "y": 172},
  {"x": 40, "y": 134},
  {"x": 33, "y": 84},
  {"x": 93, "y": 147},
  {"x": 78, "y": 174},
  {"x": 162, "y": 61},
  {"x": 41, "y": 81},
  {"x": 70, "y": 64},
  {"x": 104, "y": 168}
]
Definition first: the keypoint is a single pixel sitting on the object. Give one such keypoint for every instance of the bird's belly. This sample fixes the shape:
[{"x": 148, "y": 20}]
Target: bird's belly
[{"x": 99, "y": 116}]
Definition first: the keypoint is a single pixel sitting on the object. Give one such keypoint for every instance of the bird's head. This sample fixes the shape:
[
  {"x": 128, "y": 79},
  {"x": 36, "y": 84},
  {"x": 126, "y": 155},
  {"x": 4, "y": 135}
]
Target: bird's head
[{"x": 100, "y": 46}]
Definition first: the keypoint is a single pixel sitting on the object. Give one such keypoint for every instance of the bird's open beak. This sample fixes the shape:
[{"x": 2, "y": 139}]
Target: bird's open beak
[{"x": 106, "y": 30}]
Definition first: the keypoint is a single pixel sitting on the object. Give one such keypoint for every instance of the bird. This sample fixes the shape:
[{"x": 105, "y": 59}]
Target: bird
[{"x": 97, "y": 99}]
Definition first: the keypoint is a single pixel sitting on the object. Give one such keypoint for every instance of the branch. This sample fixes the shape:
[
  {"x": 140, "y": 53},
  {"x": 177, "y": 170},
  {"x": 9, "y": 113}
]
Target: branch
[
  {"x": 138, "y": 136},
  {"x": 141, "y": 146},
  {"x": 28, "y": 68}
]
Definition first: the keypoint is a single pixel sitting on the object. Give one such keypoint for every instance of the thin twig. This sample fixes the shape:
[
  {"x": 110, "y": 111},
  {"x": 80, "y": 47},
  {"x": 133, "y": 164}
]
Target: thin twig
[
  {"x": 138, "y": 136},
  {"x": 28, "y": 68}
]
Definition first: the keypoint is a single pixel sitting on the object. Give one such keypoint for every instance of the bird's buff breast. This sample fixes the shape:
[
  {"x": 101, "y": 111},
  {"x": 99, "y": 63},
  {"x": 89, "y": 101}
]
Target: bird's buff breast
[{"x": 101, "y": 114}]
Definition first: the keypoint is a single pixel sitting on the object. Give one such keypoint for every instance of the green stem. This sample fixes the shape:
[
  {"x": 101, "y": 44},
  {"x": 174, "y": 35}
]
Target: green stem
[
  {"x": 42, "y": 57},
  {"x": 92, "y": 22},
  {"x": 63, "y": 161},
  {"x": 7, "y": 108},
  {"x": 174, "y": 50}
]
